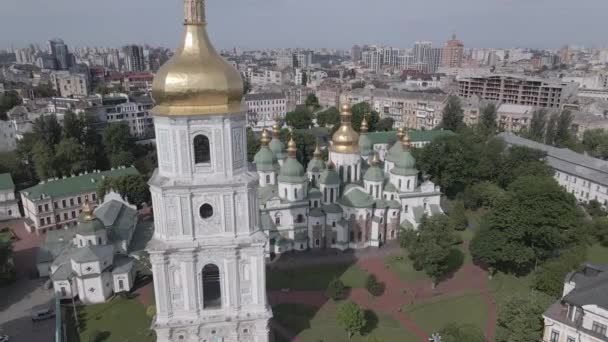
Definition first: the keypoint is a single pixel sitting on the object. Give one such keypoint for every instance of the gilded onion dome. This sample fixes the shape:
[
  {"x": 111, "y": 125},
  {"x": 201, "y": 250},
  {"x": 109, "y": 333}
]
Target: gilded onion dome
[
  {"x": 276, "y": 145},
  {"x": 365, "y": 144},
  {"x": 396, "y": 148},
  {"x": 374, "y": 173},
  {"x": 265, "y": 160},
  {"x": 404, "y": 159},
  {"x": 345, "y": 140},
  {"x": 291, "y": 170},
  {"x": 316, "y": 164},
  {"x": 87, "y": 222},
  {"x": 196, "y": 80}
]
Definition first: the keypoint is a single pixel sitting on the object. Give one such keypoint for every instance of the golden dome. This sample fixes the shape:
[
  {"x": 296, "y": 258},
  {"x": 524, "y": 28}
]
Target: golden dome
[
  {"x": 291, "y": 148},
  {"x": 345, "y": 140},
  {"x": 317, "y": 153},
  {"x": 364, "y": 127},
  {"x": 265, "y": 139},
  {"x": 400, "y": 133},
  {"x": 196, "y": 80},
  {"x": 406, "y": 142},
  {"x": 275, "y": 131}
]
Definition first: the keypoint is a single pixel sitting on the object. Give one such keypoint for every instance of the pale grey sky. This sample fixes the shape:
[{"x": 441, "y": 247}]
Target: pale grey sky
[{"x": 311, "y": 23}]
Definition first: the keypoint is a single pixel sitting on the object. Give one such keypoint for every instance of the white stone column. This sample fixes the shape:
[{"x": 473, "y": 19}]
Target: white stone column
[
  {"x": 189, "y": 273},
  {"x": 159, "y": 270},
  {"x": 260, "y": 280}
]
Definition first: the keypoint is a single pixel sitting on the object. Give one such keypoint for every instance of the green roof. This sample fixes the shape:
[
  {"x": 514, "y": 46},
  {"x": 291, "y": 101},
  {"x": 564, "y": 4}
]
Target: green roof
[
  {"x": 316, "y": 212},
  {"x": 265, "y": 160},
  {"x": 365, "y": 144},
  {"x": 393, "y": 204},
  {"x": 316, "y": 165},
  {"x": 75, "y": 185},
  {"x": 278, "y": 148},
  {"x": 374, "y": 174},
  {"x": 329, "y": 177},
  {"x": 415, "y": 136},
  {"x": 89, "y": 227},
  {"x": 389, "y": 187},
  {"x": 356, "y": 198},
  {"x": 314, "y": 193},
  {"x": 291, "y": 171},
  {"x": 398, "y": 171},
  {"x": 6, "y": 181},
  {"x": 332, "y": 208}
]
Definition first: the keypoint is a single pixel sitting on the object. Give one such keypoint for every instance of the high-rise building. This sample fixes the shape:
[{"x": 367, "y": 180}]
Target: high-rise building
[
  {"x": 422, "y": 52},
  {"x": 356, "y": 53},
  {"x": 208, "y": 250},
  {"x": 135, "y": 60},
  {"x": 453, "y": 52},
  {"x": 435, "y": 58},
  {"x": 59, "y": 50}
]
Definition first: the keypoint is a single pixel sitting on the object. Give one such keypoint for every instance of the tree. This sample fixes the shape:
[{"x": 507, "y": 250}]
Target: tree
[
  {"x": 351, "y": 318},
  {"x": 488, "y": 118},
  {"x": 535, "y": 218},
  {"x": 599, "y": 230},
  {"x": 44, "y": 90},
  {"x": 329, "y": 117},
  {"x": 455, "y": 332},
  {"x": 42, "y": 157},
  {"x": 132, "y": 187},
  {"x": 549, "y": 279},
  {"x": 300, "y": 118},
  {"x": 122, "y": 158},
  {"x": 385, "y": 125},
  {"x": 595, "y": 142},
  {"x": 72, "y": 127},
  {"x": 117, "y": 137},
  {"x": 453, "y": 115},
  {"x": 458, "y": 216},
  {"x": 432, "y": 247},
  {"x": 563, "y": 137},
  {"x": 538, "y": 124},
  {"x": 373, "y": 286},
  {"x": 312, "y": 102},
  {"x": 7, "y": 268},
  {"x": 520, "y": 318},
  {"x": 70, "y": 157},
  {"x": 361, "y": 110},
  {"x": 551, "y": 130},
  {"x": 8, "y": 100},
  {"x": 47, "y": 129},
  {"x": 335, "y": 289},
  {"x": 253, "y": 144},
  {"x": 485, "y": 194},
  {"x": 595, "y": 210}
]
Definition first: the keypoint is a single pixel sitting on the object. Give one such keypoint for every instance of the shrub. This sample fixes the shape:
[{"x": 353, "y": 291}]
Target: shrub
[
  {"x": 373, "y": 286},
  {"x": 335, "y": 289},
  {"x": 151, "y": 311}
]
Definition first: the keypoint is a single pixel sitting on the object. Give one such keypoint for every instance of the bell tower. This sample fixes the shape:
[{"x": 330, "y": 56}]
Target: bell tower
[{"x": 207, "y": 252}]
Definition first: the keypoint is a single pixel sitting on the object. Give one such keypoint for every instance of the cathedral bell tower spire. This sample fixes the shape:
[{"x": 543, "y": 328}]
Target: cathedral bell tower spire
[{"x": 194, "y": 12}]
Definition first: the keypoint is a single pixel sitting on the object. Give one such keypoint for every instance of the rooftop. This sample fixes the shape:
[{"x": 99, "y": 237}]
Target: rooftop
[
  {"x": 264, "y": 96},
  {"x": 6, "y": 182},
  {"x": 74, "y": 185}
]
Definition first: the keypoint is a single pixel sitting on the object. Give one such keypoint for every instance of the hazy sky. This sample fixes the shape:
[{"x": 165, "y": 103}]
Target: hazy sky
[{"x": 311, "y": 23}]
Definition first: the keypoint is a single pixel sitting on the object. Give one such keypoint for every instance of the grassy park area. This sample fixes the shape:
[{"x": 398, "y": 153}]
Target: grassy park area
[{"x": 315, "y": 277}]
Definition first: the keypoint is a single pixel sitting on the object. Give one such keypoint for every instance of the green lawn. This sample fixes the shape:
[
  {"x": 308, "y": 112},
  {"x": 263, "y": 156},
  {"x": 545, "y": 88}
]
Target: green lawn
[
  {"x": 313, "y": 325},
  {"x": 5, "y": 237},
  {"x": 117, "y": 320},
  {"x": 466, "y": 235},
  {"x": 403, "y": 268},
  {"x": 436, "y": 313},
  {"x": 503, "y": 285},
  {"x": 315, "y": 277},
  {"x": 597, "y": 254}
]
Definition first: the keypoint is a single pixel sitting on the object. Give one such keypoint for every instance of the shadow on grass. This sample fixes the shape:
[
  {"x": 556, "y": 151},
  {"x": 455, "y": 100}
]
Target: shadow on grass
[{"x": 371, "y": 322}]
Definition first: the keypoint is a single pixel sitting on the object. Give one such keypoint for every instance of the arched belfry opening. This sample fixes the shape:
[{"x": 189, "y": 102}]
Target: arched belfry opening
[
  {"x": 202, "y": 152},
  {"x": 212, "y": 294}
]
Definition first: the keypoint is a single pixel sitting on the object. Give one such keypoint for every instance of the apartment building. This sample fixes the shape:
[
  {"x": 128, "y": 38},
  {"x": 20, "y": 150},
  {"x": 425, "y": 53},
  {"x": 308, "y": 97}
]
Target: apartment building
[
  {"x": 453, "y": 53},
  {"x": 583, "y": 176},
  {"x": 581, "y": 314},
  {"x": 69, "y": 84},
  {"x": 516, "y": 89},
  {"x": 8, "y": 203},
  {"x": 56, "y": 203},
  {"x": 8, "y": 136},
  {"x": 258, "y": 78},
  {"x": 415, "y": 110},
  {"x": 135, "y": 112},
  {"x": 265, "y": 109},
  {"x": 328, "y": 93}
]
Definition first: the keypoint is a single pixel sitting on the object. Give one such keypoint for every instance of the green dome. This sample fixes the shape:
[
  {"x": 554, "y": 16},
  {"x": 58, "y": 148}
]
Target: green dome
[
  {"x": 374, "y": 174},
  {"x": 265, "y": 160},
  {"x": 88, "y": 226},
  {"x": 291, "y": 171},
  {"x": 329, "y": 177},
  {"x": 365, "y": 145},
  {"x": 278, "y": 148},
  {"x": 393, "y": 152},
  {"x": 316, "y": 165},
  {"x": 404, "y": 160}
]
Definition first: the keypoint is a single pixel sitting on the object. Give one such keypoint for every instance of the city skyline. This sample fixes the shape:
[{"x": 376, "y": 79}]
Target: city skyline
[{"x": 390, "y": 23}]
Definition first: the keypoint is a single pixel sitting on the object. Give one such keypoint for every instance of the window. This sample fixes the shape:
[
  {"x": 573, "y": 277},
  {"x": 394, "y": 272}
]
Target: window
[
  {"x": 202, "y": 152},
  {"x": 359, "y": 236},
  {"x": 57, "y": 218},
  {"x": 554, "y": 336},
  {"x": 331, "y": 197},
  {"x": 212, "y": 296},
  {"x": 295, "y": 193},
  {"x": 55, "y": 205},
  {"x": 63, "y": 204},
  {"x": 71, "y": 202},
  {"x": 79, "y": 200},
  {"x": 63, "y": 291},
  {"x": 65, "y": 216},
  {"x": 206, "y": 211},
  {"x": 10, "y": 212},
  {"x": 333, "y": 224},
  {"x": 267, "y": 179},
  {"x": 317, "y": 242},
  {"x": 94, "y": 197},
  {"x": 99, "y": 241},
  {"x": 571, "y": 339},
  {"x": 599, "y": 328},
  {"x": 42, "y": 222},
  {"x": 73, "y": 214},
  {"x": 277, "y": 220},
  {"x": 299, "y": 218},
  {"x": 46, "y": 207},
  {"x": 39, "y": 208}
]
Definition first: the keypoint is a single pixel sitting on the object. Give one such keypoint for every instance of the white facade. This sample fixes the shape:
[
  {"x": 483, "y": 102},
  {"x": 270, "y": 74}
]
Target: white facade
[
  {"x": 70, "y": 84},
  {"x": 8, "y": 203},
  {"x": 207, "y": 252},
  {"x": 8, "y": 136},
  {"x": 136, "y": 114},
  {"x": 265, "y": 109}
]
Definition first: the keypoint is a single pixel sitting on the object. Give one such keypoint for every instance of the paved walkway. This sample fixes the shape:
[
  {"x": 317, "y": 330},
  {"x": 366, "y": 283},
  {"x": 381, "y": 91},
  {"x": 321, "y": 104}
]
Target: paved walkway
[{"x": 469, "y": 277}]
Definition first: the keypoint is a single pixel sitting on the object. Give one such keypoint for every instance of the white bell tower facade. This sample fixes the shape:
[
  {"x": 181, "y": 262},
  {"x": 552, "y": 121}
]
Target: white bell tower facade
[{"x": 207, "y": 252}]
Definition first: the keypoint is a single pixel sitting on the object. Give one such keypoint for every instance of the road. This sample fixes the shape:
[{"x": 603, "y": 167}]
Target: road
[{"x": 18, "y": 298}]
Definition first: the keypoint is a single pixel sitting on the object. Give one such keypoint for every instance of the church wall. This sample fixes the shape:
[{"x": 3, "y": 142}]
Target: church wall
[
  {"x": 70, "y": 290},
  {"x": 101, "y": 286}
]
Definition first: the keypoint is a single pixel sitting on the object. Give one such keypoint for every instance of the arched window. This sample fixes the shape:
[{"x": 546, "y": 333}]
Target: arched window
[
  {"x": 300, "y": 218},
  {"x": 277, "y": 220},
  {"x": 331, "y": 196},
  {"x": 212, "y": 294},
  {"x": 341, "y": 172},
  {"x": 285, "y": 191},
  {"x": 348, "y": 174},
  {"x": 295, "y": 193},
  {"x": 202, "y": 152},
  {"x": 267, "y": 179},
  {"x": 356, "y": 177},
  {"x": 400, "y": 184},
  {"x": 325, "y": 195},
  {"x": 408, "y": 184}
]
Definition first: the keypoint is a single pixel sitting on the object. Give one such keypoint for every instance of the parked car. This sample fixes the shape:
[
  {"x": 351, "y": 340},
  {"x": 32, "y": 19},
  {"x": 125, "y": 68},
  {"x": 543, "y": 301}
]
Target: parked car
[
  {"x": 42, "y": 313},
  {"x": 4, "y": 338}
]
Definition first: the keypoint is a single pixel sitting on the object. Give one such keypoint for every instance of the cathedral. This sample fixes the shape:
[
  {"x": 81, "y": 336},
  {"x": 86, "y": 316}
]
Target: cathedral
[
  {"x": 207, "y": 251},
  {"x": 356, "y": 200}
]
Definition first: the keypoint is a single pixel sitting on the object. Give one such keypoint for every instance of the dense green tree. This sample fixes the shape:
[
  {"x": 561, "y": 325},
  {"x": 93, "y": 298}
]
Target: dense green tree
[
  {"x": 329, "y": 117},
  {"x": 520, "y": 318},
  {"x": 385, "y": 125},
  {"x": 312, "y": 102},
  {"x": 549, "y": 278},
  {"x": 595, "y": 142},
  {"x": 431, "y": 249},
  {"x": 47, "y": 129},
  {"x": 563, "y": 136},
  {"x": 44, "y": 90},
  {"x": 594, "y": 209},
  {"x": 11, "y": 163},
  {"x": 373, "y": 286},
  {"x": 122, "y": 158},
  {"x": 534, "y": 219},
  {"x": 8, "y": 100},
  {"x": 485, "y": 194},
  {"x": 453, "y": 115},
  {"x": 361, "y": 110},
  {"x": 43, "y": 157},
  {"x": 488, "y": 118},
  {"x": 117, "y": 137},
  {"x": 351, "y": 318},
  {"x": 253, "y": 144},
  {"x": 538, "y": 124},
  {"x": 551, "y": 129},
  {"x": 132, "y": 187},
  {"x": 300, "y": 118},
  {"x": 335, "y": 289},
  {"x": 455, "y": 332},
  {"x": 72, "y": 127},
  {"x": 70, "y": 157},
  {"x": 7, "y": 267},
  {"x": 458, "y": 216},
  {"x": 521, "y": 161},
  {"x": 599, "y": 229}
]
